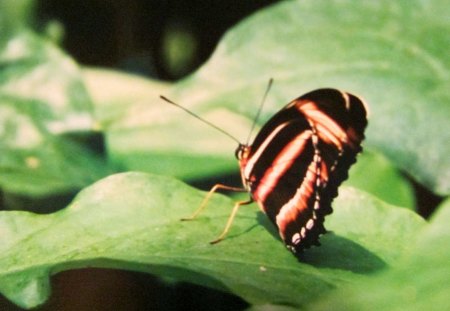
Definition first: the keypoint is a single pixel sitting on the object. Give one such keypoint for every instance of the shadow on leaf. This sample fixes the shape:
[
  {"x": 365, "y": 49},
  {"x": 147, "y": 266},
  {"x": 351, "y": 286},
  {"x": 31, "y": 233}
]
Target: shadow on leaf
[{"x": 335, "y": 252}]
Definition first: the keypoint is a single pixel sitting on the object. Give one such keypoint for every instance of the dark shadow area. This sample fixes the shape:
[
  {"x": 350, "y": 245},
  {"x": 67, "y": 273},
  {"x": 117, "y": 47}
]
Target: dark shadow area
[
  {"x": 233, "y": 180},
  {"x": 40, "y": 205},
  {"x": 92, "y": 141},
  {"x": 335, "y": 252},
  {"x": 110, "y": 289},
  {"x": 426, "y": 201},
  {"x": 2, "y": 200},
  {"x": 6, "y": 305},
  {"x": 133, "y": 35}
]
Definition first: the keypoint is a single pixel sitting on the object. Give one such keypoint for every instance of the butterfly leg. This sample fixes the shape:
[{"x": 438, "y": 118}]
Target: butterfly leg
[
  {"x": 230, "y": 220},
  {"x": 208, "y": 197}
]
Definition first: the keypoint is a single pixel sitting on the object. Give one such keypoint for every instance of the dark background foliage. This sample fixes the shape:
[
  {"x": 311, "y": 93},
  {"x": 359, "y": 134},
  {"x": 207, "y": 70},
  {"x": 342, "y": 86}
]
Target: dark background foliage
[{"x": 134, "y": 35}]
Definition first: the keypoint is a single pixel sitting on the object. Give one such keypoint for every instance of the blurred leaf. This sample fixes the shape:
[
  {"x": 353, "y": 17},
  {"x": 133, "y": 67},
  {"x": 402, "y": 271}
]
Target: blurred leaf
[
  {"x": 56, "y": 166},
  {"x": 34, "y": 70},
  {"x": 41, "y": 98},
  {"x": 150, "y": 135},
  {"x": 14, "y": 15},
  {"x": 376, "y": 174},
  {"x": 179, "y": 48},
  {"x": 367, "y": 48},
  {"x": 131, "y": 221},
  {"x": 118, "y": 94},
  {"x": 124, "y": 108},
  {"x": 420, "y": 281}
]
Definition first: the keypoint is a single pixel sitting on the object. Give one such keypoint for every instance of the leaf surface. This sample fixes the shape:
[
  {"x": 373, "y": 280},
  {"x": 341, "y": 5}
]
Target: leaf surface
[
  {"x": 42, "y": 101},
  {"x": 420, "y": 280},
  {"x": 131, "y": 221}
]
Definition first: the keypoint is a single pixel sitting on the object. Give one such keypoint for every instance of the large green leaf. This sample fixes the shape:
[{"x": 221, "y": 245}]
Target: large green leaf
[
  {"x": 131, "y": 221},
  {"x": 117, "y": 93},
  {"x": 33, "y": 69},
  {"x": 367, "y": 48},
  {"x": 420, "y": 281},
  {"x": 42, "y": 98}
]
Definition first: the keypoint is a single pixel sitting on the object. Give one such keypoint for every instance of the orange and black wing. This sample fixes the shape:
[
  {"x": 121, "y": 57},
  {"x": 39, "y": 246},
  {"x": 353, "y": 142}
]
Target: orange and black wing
[{"x": 300, "y": 157}]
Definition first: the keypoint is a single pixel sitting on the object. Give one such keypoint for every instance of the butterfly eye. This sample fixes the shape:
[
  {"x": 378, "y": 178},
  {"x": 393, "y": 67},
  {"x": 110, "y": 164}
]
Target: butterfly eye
[
  {"x": 239, "y": 151},
  {"x": 242, "y": 152}
]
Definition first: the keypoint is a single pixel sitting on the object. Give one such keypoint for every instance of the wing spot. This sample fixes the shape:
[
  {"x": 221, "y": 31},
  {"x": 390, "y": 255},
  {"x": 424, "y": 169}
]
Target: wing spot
[
  {"x": 291, "y": 248},
  {"x": 310, "y": 224},
  {"x": 303, "y": 232},
  {"x": 318, "y": 182},
  {"x": 316, "y": 207},
  {"x": 296, "y": 238},
  {"x": 315, "y": 139}
]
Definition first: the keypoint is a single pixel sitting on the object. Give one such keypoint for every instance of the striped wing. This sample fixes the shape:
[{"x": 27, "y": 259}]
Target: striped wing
[{"x": 299, "y": 159}]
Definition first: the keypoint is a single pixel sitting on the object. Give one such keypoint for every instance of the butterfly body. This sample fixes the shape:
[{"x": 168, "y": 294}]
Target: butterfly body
[
  {"x": 298, "y": 160},
  {"x": 296, "y": 163}
]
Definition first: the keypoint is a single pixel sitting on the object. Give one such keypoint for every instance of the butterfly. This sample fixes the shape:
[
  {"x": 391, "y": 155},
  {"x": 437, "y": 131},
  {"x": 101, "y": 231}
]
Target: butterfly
[{"x": 297, "y": 161}]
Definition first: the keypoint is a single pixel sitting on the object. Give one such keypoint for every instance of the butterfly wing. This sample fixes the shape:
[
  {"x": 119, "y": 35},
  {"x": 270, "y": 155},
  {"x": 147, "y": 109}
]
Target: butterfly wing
[{"x": 299, "y": 159}]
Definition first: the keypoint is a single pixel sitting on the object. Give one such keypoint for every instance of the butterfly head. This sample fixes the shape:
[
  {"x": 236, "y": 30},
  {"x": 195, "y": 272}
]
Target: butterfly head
[{"x": 242, "y": 152}]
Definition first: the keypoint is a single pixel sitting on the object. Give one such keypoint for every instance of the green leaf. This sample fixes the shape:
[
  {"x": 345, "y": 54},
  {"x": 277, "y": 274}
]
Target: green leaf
[
  {"x": 55, "y": 167},
  {"x": 14, "y": 14},
  {"x": 144, "y": 133},
  {"x": 126, "y": 106},
  {"x": 34, "y": 70},
  {"x": 366, "y": 48},
  {"x": 131, "y": 221},
  {"x": 377, "y": 175},
  {"x": 420, "y": 281},
  {"x": 42, "y": 98},
  {"x": 117, "y": 94}
]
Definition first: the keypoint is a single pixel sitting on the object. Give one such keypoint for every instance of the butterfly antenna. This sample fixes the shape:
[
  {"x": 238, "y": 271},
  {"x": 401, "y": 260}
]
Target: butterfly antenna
[
  {"x": 200, "y": 118},
  {"x": 269, "y": 85}
]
